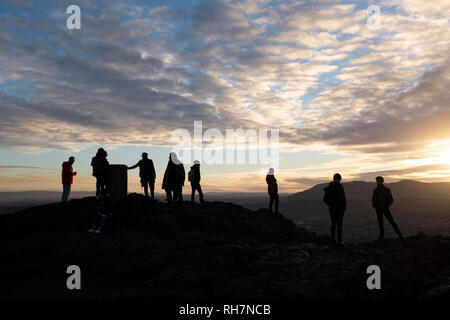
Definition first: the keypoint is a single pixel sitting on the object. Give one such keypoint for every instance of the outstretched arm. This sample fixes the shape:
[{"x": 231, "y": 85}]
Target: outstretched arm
[{"x": 133, "y": 167}]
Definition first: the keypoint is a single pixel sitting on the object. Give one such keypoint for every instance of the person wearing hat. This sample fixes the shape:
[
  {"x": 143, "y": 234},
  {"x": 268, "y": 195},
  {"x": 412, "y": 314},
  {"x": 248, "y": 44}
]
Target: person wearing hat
[
  {"x": 147, "y": 173},
  {"x": 67, "y": 178},
  {"x": 194, "y": 178}
]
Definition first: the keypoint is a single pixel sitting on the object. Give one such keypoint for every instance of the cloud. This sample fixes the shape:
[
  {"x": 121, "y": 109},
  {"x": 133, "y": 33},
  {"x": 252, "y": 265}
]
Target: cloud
[
  {"x": 411, "y": 171},
  {"x": 135, "y": 73}
]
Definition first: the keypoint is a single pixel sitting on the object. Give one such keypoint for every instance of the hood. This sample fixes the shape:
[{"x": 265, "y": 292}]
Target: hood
[{"x": 66, "y": 164}]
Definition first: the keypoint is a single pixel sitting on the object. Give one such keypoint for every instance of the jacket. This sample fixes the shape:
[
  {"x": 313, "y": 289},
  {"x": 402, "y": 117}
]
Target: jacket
[
  {"x": 196, "y": 168},
  {"x": 272, "y": 186},
  {"x": 382, "y": 198},
  {"x": 67, "y": 173},
  {"x": 174, "y": 176},
  {"x": 335, "y": 196}
]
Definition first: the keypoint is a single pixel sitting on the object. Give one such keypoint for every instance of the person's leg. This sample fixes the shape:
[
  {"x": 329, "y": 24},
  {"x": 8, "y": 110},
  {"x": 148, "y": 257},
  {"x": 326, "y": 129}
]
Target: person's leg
[
  {"x": 169, "y": 196},
  {"x": 68, "y": 187},
  {"x": 277, "y": 201},
  {"x": 101, "y": 186},
  {"x": 103, "y": 220},
  {"x": 96, "y": 221},
  {"x": 64, "y": 193},
  {"x": 97, "y": 187},
  {"x": 152, "y": 189},
  {"x": 193, "y": 187},
  {"x": 104, "y": 183},
  {"x": 180, "y": 193},
  {"x": 333, "y": 224},
  {"x": 380, "y": 223},
  {"x": 200, "y": 193},
  {"x": 271, "y": 200},
  {"x": 389, "y": 217},
  {"x": 145, "y": 184},
  {"x": 339, "y": 222}
]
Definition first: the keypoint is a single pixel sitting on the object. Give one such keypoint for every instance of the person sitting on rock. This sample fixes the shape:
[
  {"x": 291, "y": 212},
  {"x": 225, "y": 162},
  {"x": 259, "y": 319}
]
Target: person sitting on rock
[
  {"x": 147, "y": 174},
  {"x": 272, "y": 189},
  {"x": 381, "y": 200},
  {"x": 174, "y": 178},
  {"x": 336, "y": 200},
  {"x": 104, "y": 212},
  {"x": 194, "y": 178}
]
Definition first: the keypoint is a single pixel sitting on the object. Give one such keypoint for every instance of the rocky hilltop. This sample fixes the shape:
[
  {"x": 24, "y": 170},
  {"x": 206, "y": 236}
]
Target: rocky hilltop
[{"x": 151, "y": 250}]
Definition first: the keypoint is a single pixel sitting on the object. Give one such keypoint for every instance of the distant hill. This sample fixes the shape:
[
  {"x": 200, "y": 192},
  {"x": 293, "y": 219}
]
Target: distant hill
[
  {"x": 361, "y": 190},
  {"x": 201, "y": 252},
  {"x": 19, "y": 200},
  {"x": 417, "y": 206}
]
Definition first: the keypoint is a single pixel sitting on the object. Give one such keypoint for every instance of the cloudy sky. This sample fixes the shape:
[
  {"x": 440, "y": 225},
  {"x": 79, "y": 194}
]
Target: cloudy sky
[{"x": 349, "y": 90}]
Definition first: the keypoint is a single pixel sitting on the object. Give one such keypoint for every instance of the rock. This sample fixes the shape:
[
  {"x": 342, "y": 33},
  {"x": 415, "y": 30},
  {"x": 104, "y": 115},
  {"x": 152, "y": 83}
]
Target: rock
[{"x": 210, "y": 251}]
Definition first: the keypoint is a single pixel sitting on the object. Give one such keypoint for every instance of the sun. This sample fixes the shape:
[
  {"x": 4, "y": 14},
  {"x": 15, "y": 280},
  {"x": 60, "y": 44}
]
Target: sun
[{"x": 445, "y": 157}]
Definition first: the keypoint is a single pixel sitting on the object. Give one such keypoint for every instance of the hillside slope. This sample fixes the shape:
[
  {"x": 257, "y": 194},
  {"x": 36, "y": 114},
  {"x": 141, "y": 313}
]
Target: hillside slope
[{"x": 216, "y": 250}]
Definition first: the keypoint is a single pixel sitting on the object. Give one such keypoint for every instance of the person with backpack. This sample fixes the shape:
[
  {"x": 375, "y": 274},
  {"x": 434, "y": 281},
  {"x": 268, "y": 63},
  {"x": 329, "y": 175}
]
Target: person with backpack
[
  {"x": 336, "y": 201},
  {"x": 100, "y": 168},
  {"x": 67, "y": 178},
  {"x": 272, "y": 189},
  {"x": 147, "y": 174},
  {"x": 194, "y": 178},
  {"x": 381, "y": 200},
  {"x": 174, "y": 178}
]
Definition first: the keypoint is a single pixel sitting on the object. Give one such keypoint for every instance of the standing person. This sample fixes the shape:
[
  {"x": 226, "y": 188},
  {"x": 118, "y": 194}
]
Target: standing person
[
  {"x": 67, "y": 178},
  {"x": 100, "y": 167},
  {"x": 194, "y": 178},
  {"x": 174, "y": 178},
  {"x": 381, "y": 200},
  {"x": 147, "y": 173},
  {"x": 336, "y": 200},
  {"x": 272, "y": 189}
]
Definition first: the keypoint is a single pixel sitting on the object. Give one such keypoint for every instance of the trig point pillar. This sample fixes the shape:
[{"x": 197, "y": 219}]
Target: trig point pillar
[{"x": 117, "y": 181}]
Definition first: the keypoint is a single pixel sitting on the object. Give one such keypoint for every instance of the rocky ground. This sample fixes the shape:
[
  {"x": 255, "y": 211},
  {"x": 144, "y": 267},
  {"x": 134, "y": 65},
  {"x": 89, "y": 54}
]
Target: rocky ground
[{"x": 192, "y": 251}]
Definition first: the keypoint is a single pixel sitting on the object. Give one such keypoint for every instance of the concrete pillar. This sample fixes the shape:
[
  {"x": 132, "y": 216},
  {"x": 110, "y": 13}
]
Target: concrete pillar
[{"x": 118, "y": 181}]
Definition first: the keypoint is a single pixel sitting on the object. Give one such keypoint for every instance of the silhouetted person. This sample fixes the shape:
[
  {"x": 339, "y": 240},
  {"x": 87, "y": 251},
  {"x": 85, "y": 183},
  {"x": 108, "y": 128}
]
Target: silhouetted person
[
  {"x": 336, "y": 200},
  {"x": 67, "y": 178},
  {"x": 194, "y": 178},
  {"x": 272, "y": 189},
  {"x": 147, "y": 173},
  {"x": 174, "y": 178},
  {"x": 103, "y": 213},
  {"x": 100, "y": 168},
  {"x": 381, "y": 200}
]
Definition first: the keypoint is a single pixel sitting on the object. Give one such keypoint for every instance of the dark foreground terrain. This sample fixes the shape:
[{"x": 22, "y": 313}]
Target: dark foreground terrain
[{"x": 218, "y": 250}]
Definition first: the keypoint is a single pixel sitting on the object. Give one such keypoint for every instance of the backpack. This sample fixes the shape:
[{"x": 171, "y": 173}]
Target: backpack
[{"x": 191, "y": 175}]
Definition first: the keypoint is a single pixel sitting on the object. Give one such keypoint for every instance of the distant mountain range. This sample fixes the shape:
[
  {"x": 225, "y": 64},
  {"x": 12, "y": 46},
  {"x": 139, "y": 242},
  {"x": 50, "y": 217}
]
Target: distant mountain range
[{"x": 417, "y": 206}]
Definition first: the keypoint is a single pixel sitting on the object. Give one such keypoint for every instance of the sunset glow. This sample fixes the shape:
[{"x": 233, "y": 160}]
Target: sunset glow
[{"x": 347, "y": 95}]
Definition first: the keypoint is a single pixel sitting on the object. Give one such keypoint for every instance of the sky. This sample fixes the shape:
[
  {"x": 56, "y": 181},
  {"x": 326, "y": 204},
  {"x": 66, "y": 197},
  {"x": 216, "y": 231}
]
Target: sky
[{"x": 349, "y": 90}]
